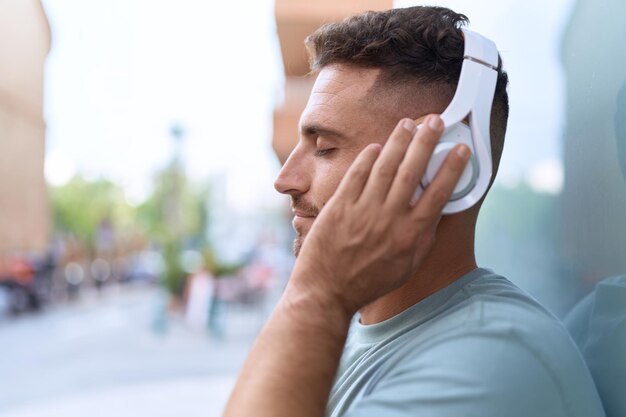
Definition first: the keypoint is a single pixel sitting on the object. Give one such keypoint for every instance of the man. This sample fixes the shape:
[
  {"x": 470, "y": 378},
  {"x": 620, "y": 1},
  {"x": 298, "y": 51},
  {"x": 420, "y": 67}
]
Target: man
[{"x": 434, "y": 334}]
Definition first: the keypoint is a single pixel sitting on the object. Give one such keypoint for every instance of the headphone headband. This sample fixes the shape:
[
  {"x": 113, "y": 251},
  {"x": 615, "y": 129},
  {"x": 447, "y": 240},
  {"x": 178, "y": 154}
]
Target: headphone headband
[
  {"x": 473, "y": 97},
  {"x": 480, "y": 49}
]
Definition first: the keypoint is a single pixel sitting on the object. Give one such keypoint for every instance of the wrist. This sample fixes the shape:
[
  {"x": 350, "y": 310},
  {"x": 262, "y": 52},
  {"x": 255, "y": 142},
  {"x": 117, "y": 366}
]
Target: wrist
[
  {"x": 316, "y": 307},
  {"x": 321, "y": 287}
]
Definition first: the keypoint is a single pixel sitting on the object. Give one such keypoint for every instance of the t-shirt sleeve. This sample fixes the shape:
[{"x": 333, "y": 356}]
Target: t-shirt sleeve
[{"x": 475, "y": 375}]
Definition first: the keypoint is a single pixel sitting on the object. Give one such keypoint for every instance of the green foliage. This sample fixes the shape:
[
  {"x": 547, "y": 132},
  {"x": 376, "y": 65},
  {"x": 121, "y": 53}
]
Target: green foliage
[
  {"x": 176, "y": 209},
  {"x": 80, "y": 206},
  {"x": 220, "y": 269},
  {"x": 174, "y": 278},
  {"x": 175, "y": 214}
]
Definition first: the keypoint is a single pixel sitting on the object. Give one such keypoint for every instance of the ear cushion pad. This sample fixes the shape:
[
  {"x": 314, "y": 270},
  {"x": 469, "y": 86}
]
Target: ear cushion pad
[{"x": 454, "y": 135}]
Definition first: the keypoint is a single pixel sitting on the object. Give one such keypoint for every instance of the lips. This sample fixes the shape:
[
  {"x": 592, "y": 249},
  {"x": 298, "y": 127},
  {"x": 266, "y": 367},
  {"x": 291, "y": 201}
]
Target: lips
[
  {"x": 302, "y": 214},
  {"x": 302, "y": 221}
]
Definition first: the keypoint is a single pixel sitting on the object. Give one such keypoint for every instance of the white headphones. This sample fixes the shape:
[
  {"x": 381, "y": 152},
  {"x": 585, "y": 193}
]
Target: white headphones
[{"x": 473, "y": 98}]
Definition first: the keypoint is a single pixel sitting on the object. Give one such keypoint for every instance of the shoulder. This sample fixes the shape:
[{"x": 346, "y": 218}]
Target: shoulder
[
  {"x": 495, "y": 351},
  {"x": 497, "y": 317},
  {"x": 492, "y": 305}
]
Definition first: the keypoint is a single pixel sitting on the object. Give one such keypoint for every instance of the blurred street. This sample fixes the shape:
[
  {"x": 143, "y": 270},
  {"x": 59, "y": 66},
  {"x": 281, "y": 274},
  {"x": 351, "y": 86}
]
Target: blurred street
[
  {"x": 143, "y": 239},
  {"x": 117, "y": 354}
]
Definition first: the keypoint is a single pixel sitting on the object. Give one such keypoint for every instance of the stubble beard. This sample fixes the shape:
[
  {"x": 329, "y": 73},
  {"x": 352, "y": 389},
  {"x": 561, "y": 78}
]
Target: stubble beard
[
  {"x": 308, "y": 207},
  {"x": 297, "y": 245}
]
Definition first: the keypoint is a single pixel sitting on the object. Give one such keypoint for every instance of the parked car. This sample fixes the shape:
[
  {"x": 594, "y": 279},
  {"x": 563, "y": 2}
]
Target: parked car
[{"x": 25, "y": 282}]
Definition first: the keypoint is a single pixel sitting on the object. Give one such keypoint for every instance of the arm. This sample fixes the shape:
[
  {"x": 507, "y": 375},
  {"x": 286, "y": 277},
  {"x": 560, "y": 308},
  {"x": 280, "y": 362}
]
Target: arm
[{"x": 366, "y": 242}]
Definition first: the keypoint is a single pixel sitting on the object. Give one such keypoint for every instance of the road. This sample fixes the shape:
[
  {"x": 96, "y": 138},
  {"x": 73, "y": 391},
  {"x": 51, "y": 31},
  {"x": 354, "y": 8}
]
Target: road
[{"x": 103, "y": 357}]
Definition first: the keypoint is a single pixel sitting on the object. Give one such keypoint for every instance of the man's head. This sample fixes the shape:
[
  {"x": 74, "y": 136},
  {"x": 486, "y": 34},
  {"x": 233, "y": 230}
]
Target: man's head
[{"x": 374, "y": 69}]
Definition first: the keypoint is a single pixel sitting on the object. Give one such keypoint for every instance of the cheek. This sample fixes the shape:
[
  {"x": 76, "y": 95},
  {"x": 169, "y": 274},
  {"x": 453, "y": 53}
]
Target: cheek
[{"x": 332, "y": 172}]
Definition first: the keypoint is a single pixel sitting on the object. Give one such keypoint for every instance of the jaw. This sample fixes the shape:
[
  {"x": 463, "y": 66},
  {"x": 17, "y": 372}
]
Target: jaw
[{"x": 297, "y": 244}]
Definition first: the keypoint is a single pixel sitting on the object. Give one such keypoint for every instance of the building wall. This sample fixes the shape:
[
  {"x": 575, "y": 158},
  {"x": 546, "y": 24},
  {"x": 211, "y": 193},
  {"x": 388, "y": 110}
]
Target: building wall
[
  {"x": 593, "y": 215},
  {"x": 24, "y": 45}
]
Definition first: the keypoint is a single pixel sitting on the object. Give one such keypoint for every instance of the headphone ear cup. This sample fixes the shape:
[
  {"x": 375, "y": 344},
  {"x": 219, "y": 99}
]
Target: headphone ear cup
[{"x": 458, "y": 133}]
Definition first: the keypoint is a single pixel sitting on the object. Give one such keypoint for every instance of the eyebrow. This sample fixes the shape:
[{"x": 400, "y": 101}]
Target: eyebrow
[{"x": 317, "y": 130}]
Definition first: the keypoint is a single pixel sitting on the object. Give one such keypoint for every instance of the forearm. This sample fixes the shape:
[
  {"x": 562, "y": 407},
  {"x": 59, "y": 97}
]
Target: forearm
[{"x": 292, "y": 365}]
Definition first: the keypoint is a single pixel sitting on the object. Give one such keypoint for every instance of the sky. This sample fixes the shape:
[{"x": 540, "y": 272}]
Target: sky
[{"x": 122, "y": 72}]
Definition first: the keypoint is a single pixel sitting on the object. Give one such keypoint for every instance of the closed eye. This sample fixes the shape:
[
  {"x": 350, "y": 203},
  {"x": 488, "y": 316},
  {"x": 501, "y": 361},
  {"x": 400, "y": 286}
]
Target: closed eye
[{"x": 324, "y": 152}]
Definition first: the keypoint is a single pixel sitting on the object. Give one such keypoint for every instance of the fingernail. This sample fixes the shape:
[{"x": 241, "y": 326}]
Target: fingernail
[
  {"x": 408, "y": 125},
  {"x": 435, "y": 123},
  {"x": 463, "y": 151}
]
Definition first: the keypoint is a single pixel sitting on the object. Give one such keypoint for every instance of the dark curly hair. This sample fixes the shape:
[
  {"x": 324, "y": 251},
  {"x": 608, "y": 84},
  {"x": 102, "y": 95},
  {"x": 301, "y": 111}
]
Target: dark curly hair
[{"x": 418, "y": 49}]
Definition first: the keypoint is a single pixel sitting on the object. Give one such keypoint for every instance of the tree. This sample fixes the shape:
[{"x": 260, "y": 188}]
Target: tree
[{"x": 80, "y": 206}]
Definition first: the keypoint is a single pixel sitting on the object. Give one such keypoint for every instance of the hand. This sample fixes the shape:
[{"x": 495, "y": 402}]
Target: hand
[{"x": 370, "y": 237}]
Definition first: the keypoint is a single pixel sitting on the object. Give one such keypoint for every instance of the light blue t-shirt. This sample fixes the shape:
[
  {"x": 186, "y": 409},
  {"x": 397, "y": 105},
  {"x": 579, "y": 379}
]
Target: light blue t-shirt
[{"x": 479, "y": 347}]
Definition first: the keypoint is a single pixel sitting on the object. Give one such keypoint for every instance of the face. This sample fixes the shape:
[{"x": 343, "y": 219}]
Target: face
[{"x": 338, "y": 122}]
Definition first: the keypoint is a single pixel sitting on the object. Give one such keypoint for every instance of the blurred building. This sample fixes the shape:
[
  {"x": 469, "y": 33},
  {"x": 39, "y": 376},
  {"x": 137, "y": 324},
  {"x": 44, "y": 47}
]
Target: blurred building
[
  {"x": 295, "y": 20},
  {"x": 593, "y": 215},
  {"x": 24, "y": 45}
]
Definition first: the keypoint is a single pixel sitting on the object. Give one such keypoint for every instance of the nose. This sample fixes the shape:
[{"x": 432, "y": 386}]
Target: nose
[{"x": 294, "y": 177}]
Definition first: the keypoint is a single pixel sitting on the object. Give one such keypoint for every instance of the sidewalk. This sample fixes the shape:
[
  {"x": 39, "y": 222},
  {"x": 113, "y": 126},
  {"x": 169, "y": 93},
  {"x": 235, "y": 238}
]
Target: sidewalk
[
  {"x": 192, "y": 397},
  {"x": 102, "y": 357}
]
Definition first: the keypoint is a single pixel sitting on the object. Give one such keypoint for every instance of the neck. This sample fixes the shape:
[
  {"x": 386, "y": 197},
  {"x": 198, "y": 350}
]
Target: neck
[{"x": 451, "y": 257}]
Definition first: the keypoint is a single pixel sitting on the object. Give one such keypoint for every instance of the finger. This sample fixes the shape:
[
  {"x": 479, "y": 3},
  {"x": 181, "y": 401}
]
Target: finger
[
  {"x": 414, "y": 164},
  {"x": 387, "y": 164},
  {"x": 436, "y": 196},
  {"x": 352, "y": 184}
]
